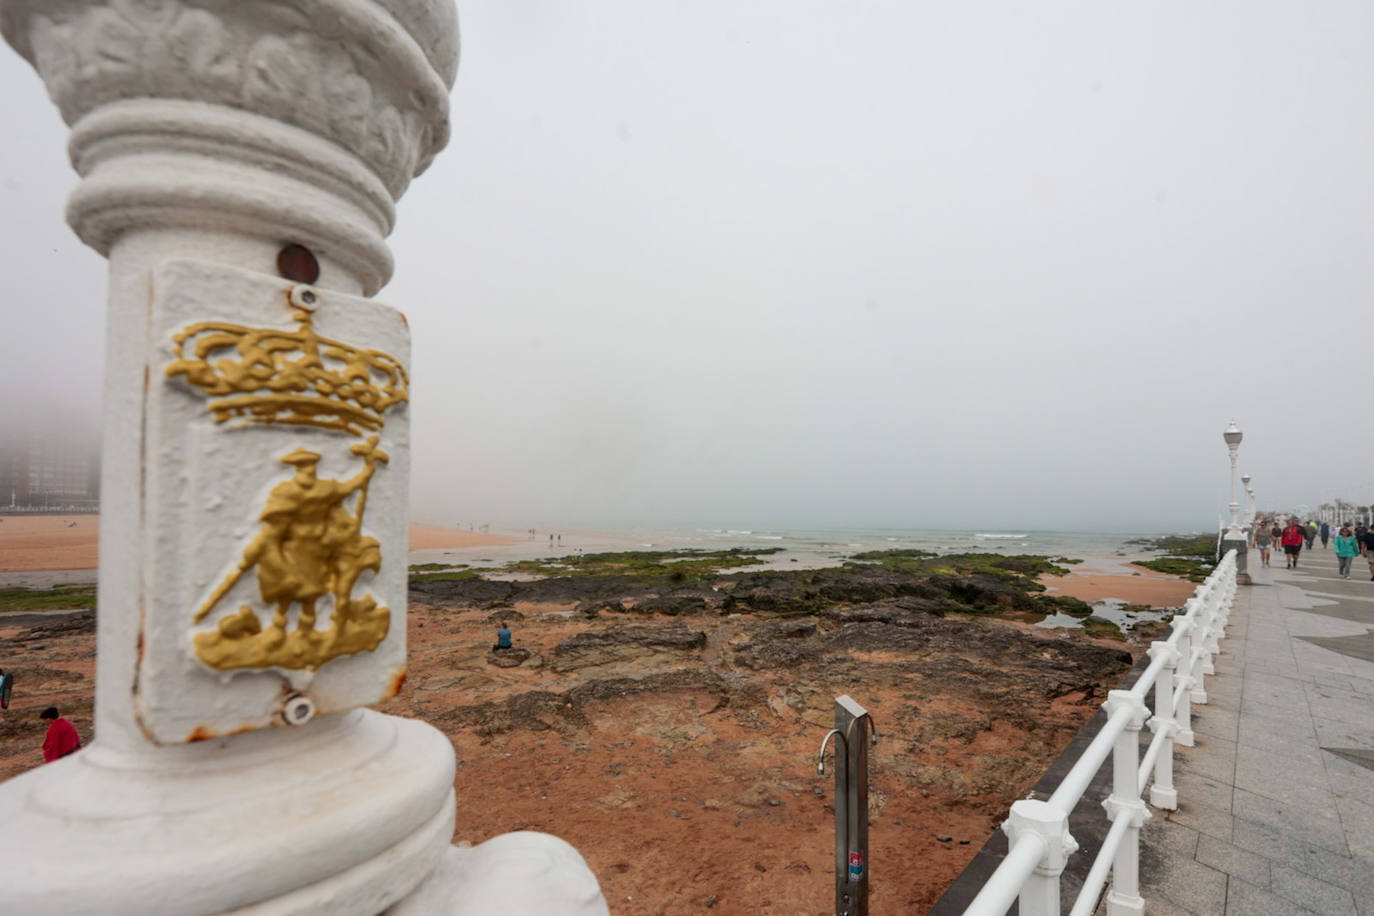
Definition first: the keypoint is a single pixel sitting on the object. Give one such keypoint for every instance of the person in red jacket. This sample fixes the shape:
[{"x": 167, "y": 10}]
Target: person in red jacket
[
  {"x": 61, "y": 739},
  {"x": 1293, "y": 538}
]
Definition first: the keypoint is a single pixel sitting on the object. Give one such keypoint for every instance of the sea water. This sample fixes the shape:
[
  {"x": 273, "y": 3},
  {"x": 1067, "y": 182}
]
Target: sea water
[{"x": 800, "y": 548}]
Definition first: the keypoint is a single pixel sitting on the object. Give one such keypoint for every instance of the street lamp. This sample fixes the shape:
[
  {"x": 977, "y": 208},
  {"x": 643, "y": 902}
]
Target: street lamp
[
  {"x": 1249, "y": 500},
  {"x": 1232, "y": 435}
]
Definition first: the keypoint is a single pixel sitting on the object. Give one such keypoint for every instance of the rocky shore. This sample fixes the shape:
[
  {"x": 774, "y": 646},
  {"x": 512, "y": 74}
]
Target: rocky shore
[
  {"x": 668, "y": 725},
  {"x": 663, "y": 713}
]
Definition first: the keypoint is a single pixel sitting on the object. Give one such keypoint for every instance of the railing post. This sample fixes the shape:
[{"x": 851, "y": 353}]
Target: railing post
[
  {"x": 1196, "y": 662},
  {"x": 1221, "y": 600},
  {"x": 1224, "y": 611},
  {"x": 1124, "y": 898},
  {"x": 1202, "y": 637},
  {"x": 1183, "y": 674},
  {"x": 1040, "y": 894},
  {"x": 1162, "y": 792}
]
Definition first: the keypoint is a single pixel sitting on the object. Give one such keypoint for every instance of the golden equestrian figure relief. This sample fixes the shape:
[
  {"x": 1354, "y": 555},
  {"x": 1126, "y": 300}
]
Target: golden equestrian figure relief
[{"x": 311, "y": 548}]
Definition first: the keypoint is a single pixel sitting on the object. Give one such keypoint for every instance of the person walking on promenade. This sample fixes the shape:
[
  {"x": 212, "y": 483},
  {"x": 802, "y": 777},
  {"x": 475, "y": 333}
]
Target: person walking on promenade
[
  {"x": 1347, "y": 549},
  {"x": 1309, "y": 534},
  {"x": 61, "y": 739},
  {"x": 1325, "y": 533},
  {"x": 1292, "y": 541},
  {"x": 1360, "y": 531},
  {"x": 1263, "y": 541},
  {"x": 1367, "y": 540}
]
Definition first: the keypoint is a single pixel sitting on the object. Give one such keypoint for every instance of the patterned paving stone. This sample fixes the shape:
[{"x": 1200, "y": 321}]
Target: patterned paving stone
[{"x": 1281, "y": 819}]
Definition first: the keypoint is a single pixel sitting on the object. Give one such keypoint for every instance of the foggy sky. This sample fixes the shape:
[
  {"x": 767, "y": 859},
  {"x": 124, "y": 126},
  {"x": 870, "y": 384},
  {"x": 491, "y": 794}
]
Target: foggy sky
[{"x": 773, "y": 264}]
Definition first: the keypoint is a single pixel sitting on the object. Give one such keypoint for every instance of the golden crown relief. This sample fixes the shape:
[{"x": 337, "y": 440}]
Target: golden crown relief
[
  {"x": 310, "y": 548},
  {"x": 265, "y": 375}
]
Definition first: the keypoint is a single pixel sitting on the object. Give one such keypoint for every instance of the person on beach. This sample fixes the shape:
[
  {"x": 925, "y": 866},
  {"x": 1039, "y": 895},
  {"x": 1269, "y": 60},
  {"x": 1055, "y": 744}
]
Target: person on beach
[
  {"x": 1292, "y": 540},
  {"x": 61, "y": 739},
  {"x": 1347, "y": 549},
  {"x": 1325, "y": 533},
  {"x": 502, "y": 639},
  {"x": 1263, "y": 541},
  {"x": 6, "y": 686}
]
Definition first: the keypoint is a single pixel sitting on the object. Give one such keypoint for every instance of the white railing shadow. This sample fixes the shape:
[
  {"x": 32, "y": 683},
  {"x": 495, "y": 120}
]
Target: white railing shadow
[{"x": 1038, "y": 831}]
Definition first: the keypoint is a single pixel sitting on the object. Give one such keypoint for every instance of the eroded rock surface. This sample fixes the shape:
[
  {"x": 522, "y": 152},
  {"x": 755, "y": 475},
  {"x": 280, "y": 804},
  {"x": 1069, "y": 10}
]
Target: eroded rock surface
[{"x": 668, "y": 729}]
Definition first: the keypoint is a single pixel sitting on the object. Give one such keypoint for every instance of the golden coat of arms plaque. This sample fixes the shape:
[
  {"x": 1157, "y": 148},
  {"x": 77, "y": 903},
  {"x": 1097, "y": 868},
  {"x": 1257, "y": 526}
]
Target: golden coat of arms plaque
[{"x": 287, "y": 406}]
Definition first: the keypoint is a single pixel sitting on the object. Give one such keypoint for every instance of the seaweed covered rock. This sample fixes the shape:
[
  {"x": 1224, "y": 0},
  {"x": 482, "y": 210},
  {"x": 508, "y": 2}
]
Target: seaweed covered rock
[
  {"x": 1064, "y": 604},
  {"x": 904, "y": 611},
  {"x": 508, "y": 658},
  {"x": 673, "y": 605},
  {"x": 621, "y": 643}
]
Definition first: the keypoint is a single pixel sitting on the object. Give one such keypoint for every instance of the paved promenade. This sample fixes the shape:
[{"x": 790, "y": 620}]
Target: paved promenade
[{"x": 1276, "y": 801}]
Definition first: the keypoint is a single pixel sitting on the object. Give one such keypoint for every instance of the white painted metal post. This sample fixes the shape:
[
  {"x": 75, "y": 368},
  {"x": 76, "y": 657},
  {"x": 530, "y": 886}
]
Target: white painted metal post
[
  {"x": 1216, "y": 603},
  {"x": 1124, "y": 897},
  {"x": 1162, "y": 791},
  {"x": 1201, "y": 631},
  {"x": 1040, "y": 894},
  {"x": 1183, "y": 714},
  {"x": 240, "y": 165}
]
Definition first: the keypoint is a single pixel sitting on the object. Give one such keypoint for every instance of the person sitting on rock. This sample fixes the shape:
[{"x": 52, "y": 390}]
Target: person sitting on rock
[
  {"x": 502, "y": 639},
  {"x": 61, "y": 739}
]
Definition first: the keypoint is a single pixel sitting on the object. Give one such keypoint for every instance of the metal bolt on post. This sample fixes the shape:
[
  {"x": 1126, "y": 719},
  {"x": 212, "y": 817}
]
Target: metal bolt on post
[{"x": 854, "y": 732}]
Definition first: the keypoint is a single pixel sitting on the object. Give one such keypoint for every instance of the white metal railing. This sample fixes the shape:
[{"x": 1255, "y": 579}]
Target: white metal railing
[{"x": 1038, "y": 831}]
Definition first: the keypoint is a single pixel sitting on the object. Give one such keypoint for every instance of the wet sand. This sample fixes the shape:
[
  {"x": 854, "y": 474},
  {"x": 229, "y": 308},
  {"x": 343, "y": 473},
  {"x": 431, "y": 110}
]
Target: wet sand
[
  {"x": 433, "y": 537},
  {"x": 1125, "y": 582},
  {"x": 33, "y": 543}
]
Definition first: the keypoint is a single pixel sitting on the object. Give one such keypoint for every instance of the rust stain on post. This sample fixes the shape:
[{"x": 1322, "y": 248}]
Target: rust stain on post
[{"x": 398, "y": 679}]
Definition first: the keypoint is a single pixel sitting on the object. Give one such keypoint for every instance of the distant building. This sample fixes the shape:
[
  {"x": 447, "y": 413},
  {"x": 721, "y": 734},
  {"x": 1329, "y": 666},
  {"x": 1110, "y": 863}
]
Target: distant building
[{"x": 49, "y": 463}]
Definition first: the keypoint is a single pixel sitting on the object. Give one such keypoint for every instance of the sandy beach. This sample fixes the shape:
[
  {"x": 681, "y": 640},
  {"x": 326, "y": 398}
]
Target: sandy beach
[
  {"x": 434, "y": 537},
  {"x": 38, "y": 543},
  {"x": 33, "y": 543},
  {"x": 1095, "y": 581}
]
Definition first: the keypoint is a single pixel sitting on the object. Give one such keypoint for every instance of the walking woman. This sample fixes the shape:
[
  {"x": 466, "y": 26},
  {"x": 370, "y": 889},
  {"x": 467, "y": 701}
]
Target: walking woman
[
  {"x": 1347, "y": 549},
  {"x": 1292, "y": 540},
  {"x": 1263, "y": 541}
]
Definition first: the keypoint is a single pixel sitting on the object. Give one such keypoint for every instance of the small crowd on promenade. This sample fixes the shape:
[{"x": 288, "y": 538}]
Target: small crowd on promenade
[{"x": 1349, "y": 541}]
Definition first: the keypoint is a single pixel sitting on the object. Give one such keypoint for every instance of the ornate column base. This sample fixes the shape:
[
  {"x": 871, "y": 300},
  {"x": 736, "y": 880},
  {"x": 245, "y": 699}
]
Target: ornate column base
[
  {"x": 532, "y": 874},
  {"x": 345, "y": 815}
]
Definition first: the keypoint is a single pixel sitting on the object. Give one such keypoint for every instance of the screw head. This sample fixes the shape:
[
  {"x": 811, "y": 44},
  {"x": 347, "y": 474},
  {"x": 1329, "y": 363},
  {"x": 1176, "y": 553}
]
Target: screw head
[{"x": 297, "y": 710}]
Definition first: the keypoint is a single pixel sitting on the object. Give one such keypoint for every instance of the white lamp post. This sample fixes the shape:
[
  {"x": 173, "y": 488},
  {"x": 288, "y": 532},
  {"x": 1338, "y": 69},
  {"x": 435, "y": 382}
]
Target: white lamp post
[
  {"x": 1249, "y": 499},
  {"x": 1232, "y": 435}
]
